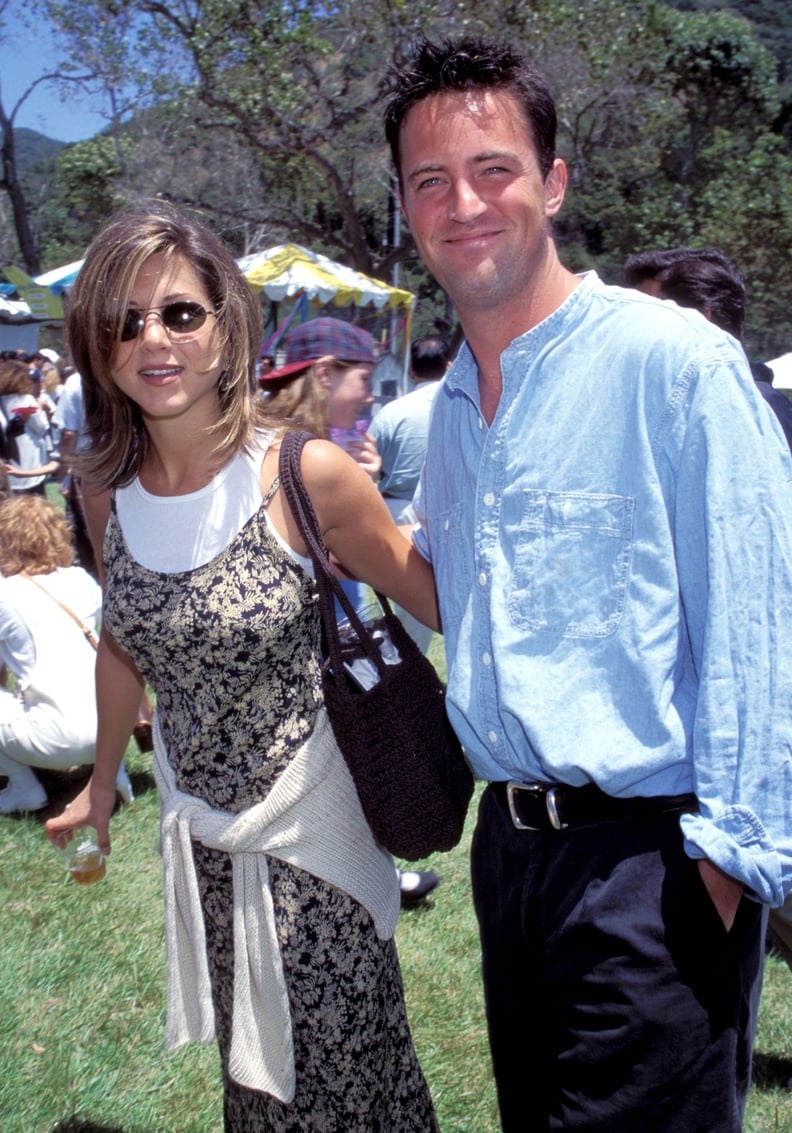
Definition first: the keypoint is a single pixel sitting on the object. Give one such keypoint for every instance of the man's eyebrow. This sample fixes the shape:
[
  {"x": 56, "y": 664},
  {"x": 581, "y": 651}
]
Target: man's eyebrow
[
  {"x": 496, "y": 155},
  {"x": 425, "y": 167}
]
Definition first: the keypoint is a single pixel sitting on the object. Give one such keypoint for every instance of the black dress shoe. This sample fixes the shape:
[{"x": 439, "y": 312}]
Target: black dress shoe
[{"x": 415, "y": 885}]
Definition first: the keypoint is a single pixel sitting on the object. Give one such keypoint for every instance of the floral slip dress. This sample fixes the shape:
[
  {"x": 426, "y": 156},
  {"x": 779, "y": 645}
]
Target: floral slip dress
[{"x": 231, "y": 649}]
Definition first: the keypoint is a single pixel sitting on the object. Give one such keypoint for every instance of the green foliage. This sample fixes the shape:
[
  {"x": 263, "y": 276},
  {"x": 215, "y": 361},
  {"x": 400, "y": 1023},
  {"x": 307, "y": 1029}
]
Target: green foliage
[
  {"x": 87, "y": 173},
  {"x": 744, "y": 207},
  {"x": 717, "y": 62},
  {"x": 83, "y": 194},
  {"x": 771, "y": 19},
  {"x": 266, "y": 116},
  {"x": 669, "y": 153}
]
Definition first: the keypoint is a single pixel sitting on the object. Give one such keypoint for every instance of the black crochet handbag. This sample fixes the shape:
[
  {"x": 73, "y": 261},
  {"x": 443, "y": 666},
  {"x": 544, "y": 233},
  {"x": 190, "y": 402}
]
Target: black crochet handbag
[{"x": 411, "y": 776}]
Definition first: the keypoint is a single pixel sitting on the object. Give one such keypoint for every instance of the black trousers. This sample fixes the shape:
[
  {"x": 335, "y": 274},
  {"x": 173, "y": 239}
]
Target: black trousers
[{"x": 616, "y": 1001}]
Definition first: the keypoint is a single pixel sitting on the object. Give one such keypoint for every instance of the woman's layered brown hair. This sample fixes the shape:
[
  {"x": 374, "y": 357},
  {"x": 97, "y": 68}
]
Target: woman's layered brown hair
[{"x": 98, "y": 304}]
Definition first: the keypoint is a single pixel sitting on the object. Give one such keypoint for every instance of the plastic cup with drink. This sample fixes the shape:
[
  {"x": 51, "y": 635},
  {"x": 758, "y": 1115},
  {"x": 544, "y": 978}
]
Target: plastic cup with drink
[{"x": 82, "y": 857}]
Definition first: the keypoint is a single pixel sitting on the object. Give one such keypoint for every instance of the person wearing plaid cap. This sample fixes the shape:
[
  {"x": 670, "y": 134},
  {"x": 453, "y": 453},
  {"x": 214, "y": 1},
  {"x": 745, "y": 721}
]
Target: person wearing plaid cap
[{"x": 324, "y": 385}]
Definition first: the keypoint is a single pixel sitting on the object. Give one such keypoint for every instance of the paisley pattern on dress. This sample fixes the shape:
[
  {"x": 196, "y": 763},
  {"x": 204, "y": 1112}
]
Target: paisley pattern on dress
[{"x": 231, "y": 650}]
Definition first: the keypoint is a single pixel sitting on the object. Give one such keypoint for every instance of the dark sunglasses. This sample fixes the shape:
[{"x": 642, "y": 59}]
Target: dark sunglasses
[{"x": 182, "y": 317}]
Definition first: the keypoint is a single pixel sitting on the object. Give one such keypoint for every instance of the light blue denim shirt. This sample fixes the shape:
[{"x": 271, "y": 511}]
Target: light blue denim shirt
[{"x": 613, "y": 559}]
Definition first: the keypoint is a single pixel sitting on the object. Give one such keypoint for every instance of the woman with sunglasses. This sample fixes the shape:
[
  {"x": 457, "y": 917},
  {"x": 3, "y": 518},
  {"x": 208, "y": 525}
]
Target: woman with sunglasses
[{"x": 280, "y": 908}]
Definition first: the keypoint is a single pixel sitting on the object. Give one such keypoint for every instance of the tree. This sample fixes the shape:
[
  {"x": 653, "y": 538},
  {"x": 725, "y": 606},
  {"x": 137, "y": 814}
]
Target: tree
[
  {"x": 744, "y": 208},
  {"x": 10, "y": 181},
  {"x": 666, "y": 120},
  {"x": 267, "y": 116},
  {"x": 101, "y": 75},
  {"x": 296, "y": 83}
]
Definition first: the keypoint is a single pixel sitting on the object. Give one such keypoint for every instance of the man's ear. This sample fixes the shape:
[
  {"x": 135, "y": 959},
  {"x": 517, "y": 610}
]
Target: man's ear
[
  {"x": 403, "y": 210},
  {"x": 555, "y": 187}
]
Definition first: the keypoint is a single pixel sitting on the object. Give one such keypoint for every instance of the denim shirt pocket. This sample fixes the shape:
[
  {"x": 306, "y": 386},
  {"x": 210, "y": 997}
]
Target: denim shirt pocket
[
  {"x": 572, "y": 562},
  {"x": 453, "y": 565}
]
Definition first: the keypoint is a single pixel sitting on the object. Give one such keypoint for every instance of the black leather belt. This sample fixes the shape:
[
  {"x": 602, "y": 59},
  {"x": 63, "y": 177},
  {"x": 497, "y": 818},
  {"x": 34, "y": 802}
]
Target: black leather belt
[{"x": 554, "y": 806}]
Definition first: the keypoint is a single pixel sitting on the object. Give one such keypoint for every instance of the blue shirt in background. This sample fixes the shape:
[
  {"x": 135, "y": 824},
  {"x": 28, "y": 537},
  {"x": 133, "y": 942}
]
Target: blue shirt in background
[{"x": 401, "y": 430}]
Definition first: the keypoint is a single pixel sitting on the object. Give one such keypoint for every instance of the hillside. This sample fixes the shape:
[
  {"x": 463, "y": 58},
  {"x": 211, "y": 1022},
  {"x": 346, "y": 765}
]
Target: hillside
[{"x": 35, "y": 154}]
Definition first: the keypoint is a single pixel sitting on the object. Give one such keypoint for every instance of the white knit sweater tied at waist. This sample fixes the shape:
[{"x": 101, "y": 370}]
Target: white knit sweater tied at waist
[{"x": 312, "y": 819}]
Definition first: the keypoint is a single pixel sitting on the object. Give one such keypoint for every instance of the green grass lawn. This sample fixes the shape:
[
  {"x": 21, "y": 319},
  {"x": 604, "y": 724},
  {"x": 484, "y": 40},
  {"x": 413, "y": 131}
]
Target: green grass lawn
[{"x": 82, "y": 973}]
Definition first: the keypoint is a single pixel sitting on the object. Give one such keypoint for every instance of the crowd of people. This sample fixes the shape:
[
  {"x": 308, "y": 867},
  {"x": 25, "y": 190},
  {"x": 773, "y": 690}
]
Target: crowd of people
[{"x": 591, "y": 503}]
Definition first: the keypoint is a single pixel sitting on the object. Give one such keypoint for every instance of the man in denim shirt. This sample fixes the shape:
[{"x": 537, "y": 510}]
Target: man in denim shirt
[{"x": 606, "y": 503}]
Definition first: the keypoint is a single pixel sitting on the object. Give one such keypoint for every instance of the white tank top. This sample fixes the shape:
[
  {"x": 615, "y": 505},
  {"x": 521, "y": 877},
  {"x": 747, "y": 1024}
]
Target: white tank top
[{"x": 179, "y": 533}]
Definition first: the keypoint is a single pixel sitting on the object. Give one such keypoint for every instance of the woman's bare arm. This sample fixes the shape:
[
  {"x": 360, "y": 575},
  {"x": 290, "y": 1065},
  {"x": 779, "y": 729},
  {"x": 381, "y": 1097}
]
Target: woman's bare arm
[{"x": 361, "y": 534}]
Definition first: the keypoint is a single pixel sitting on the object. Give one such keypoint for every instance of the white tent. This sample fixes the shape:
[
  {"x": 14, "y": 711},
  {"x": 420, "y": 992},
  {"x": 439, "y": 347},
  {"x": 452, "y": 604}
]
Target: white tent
[
  {"x": 782, "y": 372},
  {"x": 285, "y": 272},
  {"x": 60, "y": 279},
  {"x": 19, "y": 329},
  {"x": 15, "y": 311},
  {"x": 289, "y": 270}
]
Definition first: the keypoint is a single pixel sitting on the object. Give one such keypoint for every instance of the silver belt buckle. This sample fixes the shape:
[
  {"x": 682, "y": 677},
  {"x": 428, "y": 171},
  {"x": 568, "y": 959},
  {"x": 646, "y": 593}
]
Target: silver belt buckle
[
  {"x": 551, "y": 804},
  {"x": 552, "y": 810},
  {"x": 511, "y": 789}
]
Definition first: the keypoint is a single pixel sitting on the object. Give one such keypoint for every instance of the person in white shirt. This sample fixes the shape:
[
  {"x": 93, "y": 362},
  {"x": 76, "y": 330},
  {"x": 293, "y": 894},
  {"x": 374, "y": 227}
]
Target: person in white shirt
[
  {"x": 48, "y": 613},
  {"x": 25, "y": 429}
]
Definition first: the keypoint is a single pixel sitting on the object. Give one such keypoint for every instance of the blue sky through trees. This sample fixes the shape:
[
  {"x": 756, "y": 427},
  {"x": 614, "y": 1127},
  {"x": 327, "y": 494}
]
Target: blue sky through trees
[{"x": 25, "y": 54}]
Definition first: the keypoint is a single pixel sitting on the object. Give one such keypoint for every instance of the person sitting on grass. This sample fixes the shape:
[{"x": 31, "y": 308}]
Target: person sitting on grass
[{"x": 48, "y": 608}]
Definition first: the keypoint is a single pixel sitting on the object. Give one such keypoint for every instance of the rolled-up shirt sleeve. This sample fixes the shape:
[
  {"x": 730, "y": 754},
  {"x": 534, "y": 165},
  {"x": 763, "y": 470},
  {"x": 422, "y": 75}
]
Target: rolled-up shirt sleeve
[{"x": 733, "y": 535}]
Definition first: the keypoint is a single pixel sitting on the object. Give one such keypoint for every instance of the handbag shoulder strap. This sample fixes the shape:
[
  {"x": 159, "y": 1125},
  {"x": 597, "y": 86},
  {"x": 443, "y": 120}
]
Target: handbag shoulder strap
[
  {"x": 290, "y": 476},
  {"x": 87, "y": 632},
  {"x": 327, "y": 584}
]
